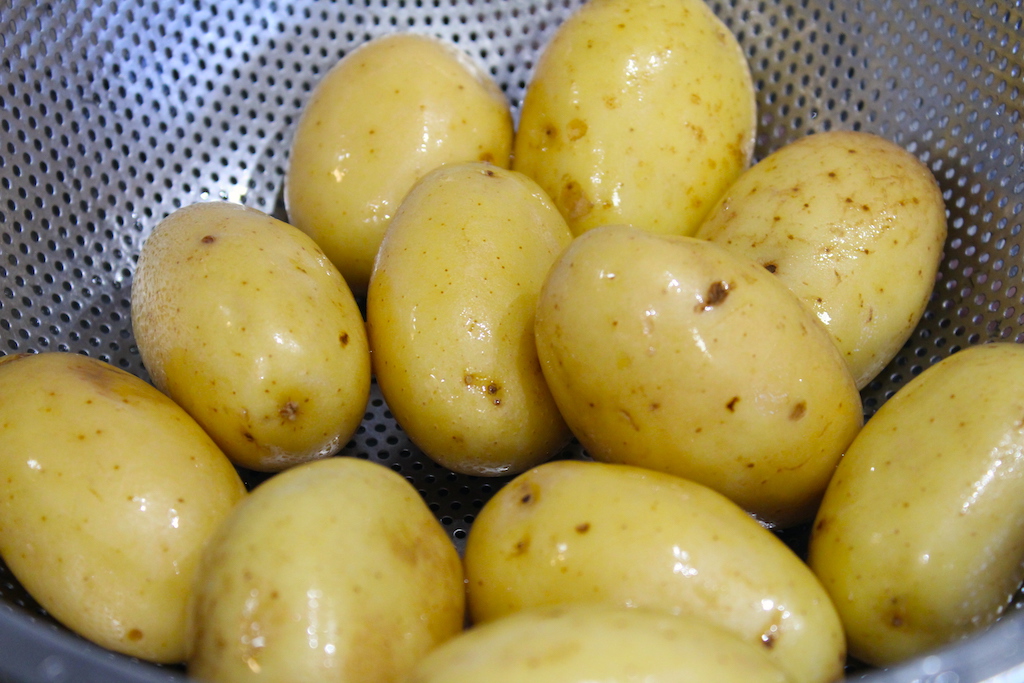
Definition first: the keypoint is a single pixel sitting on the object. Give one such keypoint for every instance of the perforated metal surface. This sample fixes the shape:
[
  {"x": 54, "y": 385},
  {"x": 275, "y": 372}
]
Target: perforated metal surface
[{"x": 112, "y": 114}]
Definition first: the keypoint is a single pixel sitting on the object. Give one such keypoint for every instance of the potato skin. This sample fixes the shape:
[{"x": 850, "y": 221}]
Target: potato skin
[
  {"x": 574, "y": 531},
  {"x": 920, "y": 536},
  {"x": 638, "y": 112},
  {"x": 853, "y": 224},
  {"x": 335, "y": 570},
  {"x": 596, "y": 642},
  {"x": 111, "y": 490},
  {"x": 671, "y": 353},
  {"x": 388, "y": 113},
  {"x": 243, "y": 321},
  {"x": 450, "y": 317}
]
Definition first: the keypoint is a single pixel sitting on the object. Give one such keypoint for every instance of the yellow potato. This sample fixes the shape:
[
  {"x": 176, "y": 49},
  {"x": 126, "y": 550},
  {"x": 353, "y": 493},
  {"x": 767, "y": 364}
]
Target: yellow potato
[
  {"x": 671, "y": 353},
  {"x": 387, "y": 114},
  {"x": 335, "y": 570},
  {"x": 110, "y": 493},
  {"x": 854, "y": 225},
  {"x": 244, "y": 322},
  {"x": 578, "y": 531},
  {"x": 920, "y": 537},
  {"x": 583, "y": 643},
  {"x": 450, "y": 315},
  {"x": 638, "y": 112}
]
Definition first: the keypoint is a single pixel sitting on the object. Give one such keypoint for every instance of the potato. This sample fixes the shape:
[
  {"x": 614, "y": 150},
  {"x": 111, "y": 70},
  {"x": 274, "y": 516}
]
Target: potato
[
  {"x": 388, "y": 113},
  {"x": 244, "y": 322},
  {"x": 582, "y": 643},
  {"x": 111, "y": 490},
  {"x": 573, "y": 531},
  {"x": 854, "y": 225},
  {"x": 450, "y": 316},
  {"x": 638, "y": 112},
  {"x": 920, "y": 537},
  {"x": 335, "y": 570},
  {"x": 671, "y": 353}
]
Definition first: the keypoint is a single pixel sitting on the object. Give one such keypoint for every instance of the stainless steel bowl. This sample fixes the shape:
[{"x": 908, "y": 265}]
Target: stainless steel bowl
[{"x": 112, "y": 114}]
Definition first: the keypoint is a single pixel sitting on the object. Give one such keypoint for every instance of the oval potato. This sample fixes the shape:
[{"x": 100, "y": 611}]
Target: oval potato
[
  {"x": 638, "y": 112},
  {"x": 582, "y": 643},
  {"x": 671, "y": 353},
  {"x": 388, "y": 113},
  {"x": 333, "y": 570},
  {"x": 243, "y": 321},
  {"x": 852, "y": 223},
  {"x": 577, "y": 531},
  {"x": 450, "y": 315},
  {"x": 110, "y": 493},
  {"x": 920, "y": 536}
]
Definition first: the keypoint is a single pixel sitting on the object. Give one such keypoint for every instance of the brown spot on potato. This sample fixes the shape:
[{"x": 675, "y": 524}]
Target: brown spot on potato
[
  {"x": 574, "y": 203},
  {"x": 799, "y": 410},
  {"x": 135, "y": 635},
  {"x": 527, "y": 494},
  {"x": 208, "y": 239},
  {"x": 731, "y": 405},
  {"x": 343, "y": 338},
  {"x": 716, "y": 294},
  {"x": 289, "y": 411},
  {"x": 768, "y": 640},
  {"x": 583, "y": 528},
  {"x": 485, "y": 385},
  {"x": 771, "y": 267},
  {"x": 576, "y": 129},
  {"x": 521, "y": 546}
]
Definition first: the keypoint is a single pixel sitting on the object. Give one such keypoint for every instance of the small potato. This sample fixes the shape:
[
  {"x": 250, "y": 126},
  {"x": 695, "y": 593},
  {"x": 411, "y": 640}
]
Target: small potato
[
  {"x": 110, "y": 493},
  {"x": 920, "y": 537},
  {"x": 582, "y": 643},
  {"x": 243, "y": 321},
  {"x": 671, "y": 353},
  {"x": 388, "y": 113},
  {"x": 638, "y": 112},
  {"x": 335, "y": 570},
  {"x": 450, "y": 315},
  {"x": 578, "y": 531},
  {"x": 854, "y": 225}
]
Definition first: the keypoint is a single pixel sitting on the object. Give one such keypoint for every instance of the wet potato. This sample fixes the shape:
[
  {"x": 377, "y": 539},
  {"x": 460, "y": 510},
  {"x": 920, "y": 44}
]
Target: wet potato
[
  {"x": 638, "y": 112},
  {"x": 387, "y": 114},
  {"x": 854, "y": 225},
  {"x": 110, "y": 494},
  {"x": 920, "y": 537},
  {"x": 450, "y": 315},
  {"x": 671, "y": 353},
  {"x": 333, "y": 570},
  {"x": 243, "y": 321},
  {"x": 595, "y": 642},
  {"x": 572, "y": 531}
]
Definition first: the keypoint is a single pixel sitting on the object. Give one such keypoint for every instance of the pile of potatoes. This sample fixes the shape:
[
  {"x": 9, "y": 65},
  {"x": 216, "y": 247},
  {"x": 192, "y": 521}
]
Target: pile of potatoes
[{"x": 613, "y": 270}]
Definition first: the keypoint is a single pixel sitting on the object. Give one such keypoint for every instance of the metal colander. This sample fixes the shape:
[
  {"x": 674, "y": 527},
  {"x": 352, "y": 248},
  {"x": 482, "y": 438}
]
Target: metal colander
[{"x": 113, "y": 114}]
